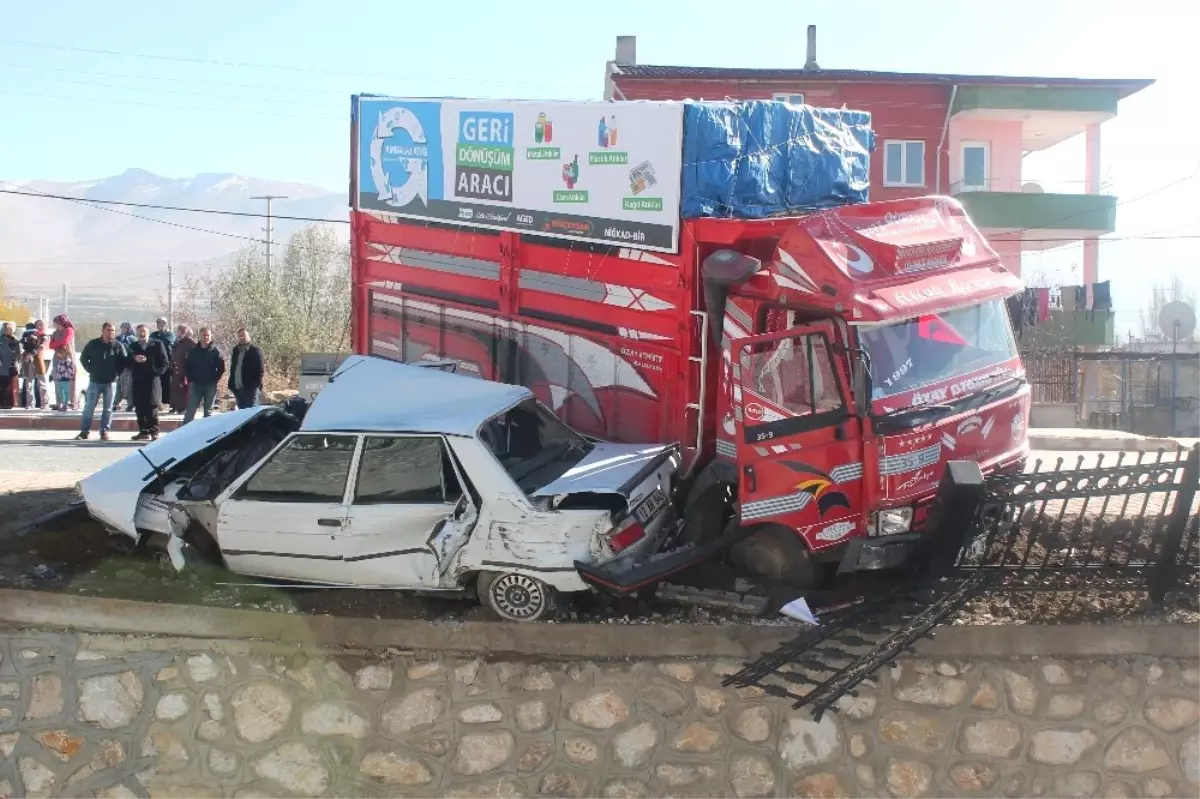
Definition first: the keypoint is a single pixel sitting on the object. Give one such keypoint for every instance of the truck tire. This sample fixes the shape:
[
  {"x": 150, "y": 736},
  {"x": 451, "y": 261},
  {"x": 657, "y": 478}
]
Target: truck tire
[
  {"x": 707, "y": 509},
  {"x": 516, "y": 597},
  {"x": 778, "y": 554}
]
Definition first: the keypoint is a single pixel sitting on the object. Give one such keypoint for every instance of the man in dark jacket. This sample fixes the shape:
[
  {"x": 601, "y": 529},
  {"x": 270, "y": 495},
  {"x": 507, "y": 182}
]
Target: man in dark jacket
[
  {"x": 202, "y": 372},
  {"x": 164, "y": 335},
  {"x": 10, "y": 366},
  {"x": 149, "y": 363},
  {"x": 245, "y": 370},
  {"x": 103, "y": 359}
]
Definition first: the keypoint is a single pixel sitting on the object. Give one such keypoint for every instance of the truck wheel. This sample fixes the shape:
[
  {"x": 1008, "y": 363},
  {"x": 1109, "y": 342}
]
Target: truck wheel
[
  {"x": 516, "y": 597},
  {"x": 705, "y": 514},
  {"x": 777, "y": 554}
]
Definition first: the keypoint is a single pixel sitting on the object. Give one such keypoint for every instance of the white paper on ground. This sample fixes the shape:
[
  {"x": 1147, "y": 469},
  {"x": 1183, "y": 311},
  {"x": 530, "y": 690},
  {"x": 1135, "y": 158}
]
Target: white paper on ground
[{"x": 798, "y": 609}]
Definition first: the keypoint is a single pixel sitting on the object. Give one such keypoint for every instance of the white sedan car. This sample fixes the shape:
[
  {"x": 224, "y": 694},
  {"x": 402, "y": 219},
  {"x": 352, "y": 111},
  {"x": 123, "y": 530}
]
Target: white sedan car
[{"x": 398, "y": 477}]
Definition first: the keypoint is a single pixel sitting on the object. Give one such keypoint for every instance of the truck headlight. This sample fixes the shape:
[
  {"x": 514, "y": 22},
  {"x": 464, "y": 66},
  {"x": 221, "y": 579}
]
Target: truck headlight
[{"x": 892, "y": 521}]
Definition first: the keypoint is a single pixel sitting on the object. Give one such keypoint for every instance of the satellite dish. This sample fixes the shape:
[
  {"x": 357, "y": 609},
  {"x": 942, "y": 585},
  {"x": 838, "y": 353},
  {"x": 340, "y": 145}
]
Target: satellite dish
[{"x": 1177, "y": 320}]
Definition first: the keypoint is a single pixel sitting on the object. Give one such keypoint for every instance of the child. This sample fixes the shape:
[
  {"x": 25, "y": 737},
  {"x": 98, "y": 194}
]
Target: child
[{"x": 63, "y": 374}]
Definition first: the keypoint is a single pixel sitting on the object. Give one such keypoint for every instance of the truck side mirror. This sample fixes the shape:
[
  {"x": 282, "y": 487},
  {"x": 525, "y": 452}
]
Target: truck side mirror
[{"x": 862, "y": 383}]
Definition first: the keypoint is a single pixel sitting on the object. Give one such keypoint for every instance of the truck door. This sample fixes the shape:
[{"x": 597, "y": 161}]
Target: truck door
[{"x": 799, "y": 444}]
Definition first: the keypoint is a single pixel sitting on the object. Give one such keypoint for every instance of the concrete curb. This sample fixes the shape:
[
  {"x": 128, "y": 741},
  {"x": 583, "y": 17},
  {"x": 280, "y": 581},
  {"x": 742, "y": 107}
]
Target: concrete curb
[
  {"x": 1087, "y": 443},
  {"x": 589, "y": 641},
  {"x": 122, "y": 422}
]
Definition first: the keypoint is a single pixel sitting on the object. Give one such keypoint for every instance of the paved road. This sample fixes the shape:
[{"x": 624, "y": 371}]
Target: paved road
[{"x": 54, "y": 451}]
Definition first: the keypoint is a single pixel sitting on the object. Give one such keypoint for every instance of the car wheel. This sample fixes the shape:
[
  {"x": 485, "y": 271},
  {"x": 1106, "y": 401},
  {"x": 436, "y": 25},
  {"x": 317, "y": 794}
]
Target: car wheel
[
  {"x": 778, "y": 554},
  {"x": 516, "y": 597}
]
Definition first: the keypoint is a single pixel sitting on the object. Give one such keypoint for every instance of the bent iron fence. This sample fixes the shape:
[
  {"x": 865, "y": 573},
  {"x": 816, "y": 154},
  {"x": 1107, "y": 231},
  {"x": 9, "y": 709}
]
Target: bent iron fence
[{"x": 1133, "y": 525}]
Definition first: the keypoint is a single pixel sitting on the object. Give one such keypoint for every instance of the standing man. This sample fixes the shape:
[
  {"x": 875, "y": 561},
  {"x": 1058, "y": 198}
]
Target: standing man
[
  {"x": 149, "y": 363},
  {"x": 179, "y": 387},
  {"x": 10, "y": 366},
  {"x": 203, "y": 371},
  {"x": 245, "y": 370},
  {"x": 125, "y": 338},
  {"x": 103, "y": 359},
  {"x": 33, "y": 369},
  {"x": 167, "y": 338}
]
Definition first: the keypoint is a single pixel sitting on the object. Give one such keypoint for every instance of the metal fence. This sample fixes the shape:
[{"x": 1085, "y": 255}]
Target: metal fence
[
  {"x": 1133, "y": 521},
  {"x": 1053, "y": 375},
  {"x": 1131, "y": 524}
]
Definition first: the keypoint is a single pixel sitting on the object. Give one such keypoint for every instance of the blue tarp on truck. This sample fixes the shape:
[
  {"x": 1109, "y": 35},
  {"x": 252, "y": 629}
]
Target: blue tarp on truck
[{"x": 756, "y": 159}]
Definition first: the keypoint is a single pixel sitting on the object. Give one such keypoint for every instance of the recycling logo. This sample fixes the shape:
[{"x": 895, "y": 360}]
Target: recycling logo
[{"x": 400, "y": 158}]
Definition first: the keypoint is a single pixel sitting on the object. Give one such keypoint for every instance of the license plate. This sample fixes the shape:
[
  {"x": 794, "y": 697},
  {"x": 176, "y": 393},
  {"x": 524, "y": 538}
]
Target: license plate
[{"x": 650, "y": 506}]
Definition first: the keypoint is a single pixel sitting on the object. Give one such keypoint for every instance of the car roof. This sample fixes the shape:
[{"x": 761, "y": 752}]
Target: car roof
[{"x": 369, "y": 394}]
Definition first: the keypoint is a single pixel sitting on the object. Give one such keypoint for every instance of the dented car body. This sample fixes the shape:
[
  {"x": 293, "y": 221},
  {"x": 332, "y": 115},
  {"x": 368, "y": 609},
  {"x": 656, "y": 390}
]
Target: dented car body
[{"x": 399, "y": 477}]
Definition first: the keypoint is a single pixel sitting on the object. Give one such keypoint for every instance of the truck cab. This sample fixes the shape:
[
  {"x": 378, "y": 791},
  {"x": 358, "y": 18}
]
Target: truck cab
[{"x": 861, "y": 349}]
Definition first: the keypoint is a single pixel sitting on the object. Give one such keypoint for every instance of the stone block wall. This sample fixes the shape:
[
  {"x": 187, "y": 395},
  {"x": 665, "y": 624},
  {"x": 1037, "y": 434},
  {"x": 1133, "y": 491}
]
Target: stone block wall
[{"x": 113, "y": 717}]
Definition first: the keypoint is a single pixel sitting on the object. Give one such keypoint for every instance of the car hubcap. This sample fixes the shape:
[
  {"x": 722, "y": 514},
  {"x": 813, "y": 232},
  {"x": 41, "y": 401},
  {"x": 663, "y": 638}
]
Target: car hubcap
[{"x": 518, "y": 596}]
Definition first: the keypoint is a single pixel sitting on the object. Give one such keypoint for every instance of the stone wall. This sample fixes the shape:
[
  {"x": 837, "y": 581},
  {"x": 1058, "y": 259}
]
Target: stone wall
[{"x": 107, "y": 716}]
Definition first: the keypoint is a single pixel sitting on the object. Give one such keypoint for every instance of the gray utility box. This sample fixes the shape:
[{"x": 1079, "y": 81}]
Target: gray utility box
[{"x": 315, "y": 369}]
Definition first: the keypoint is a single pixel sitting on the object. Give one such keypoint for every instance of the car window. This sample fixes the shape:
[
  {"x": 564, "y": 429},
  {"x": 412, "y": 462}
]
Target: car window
[
  {"x": 310, "y": 468},
  {"x": 405, "y": 470}
]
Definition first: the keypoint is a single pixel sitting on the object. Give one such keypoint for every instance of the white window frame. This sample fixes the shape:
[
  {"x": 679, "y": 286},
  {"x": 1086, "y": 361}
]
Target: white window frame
[
  {"x": 902, "y": 183},
  {"x": 788, "y": 97},
  {"x": 987, "y": 164}
]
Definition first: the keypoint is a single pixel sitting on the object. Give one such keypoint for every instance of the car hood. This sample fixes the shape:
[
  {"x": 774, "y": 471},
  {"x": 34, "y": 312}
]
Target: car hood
[
  {"x": 608, "y": 468},
  {"x": 112, "y": 493}
]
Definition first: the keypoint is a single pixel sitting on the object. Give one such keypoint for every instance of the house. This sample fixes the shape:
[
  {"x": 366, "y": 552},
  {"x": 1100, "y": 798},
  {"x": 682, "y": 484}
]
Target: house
[{"x": 962, "y": 135}]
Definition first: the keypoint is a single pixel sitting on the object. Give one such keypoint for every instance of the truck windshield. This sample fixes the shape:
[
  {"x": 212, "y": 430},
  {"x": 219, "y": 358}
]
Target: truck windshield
[
  {"x": 928, "y": 349},
  {"x": 533, "y": 445}
]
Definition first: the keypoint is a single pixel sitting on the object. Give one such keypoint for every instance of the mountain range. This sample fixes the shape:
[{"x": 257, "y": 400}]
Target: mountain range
[{"x": 112, "y": 249}]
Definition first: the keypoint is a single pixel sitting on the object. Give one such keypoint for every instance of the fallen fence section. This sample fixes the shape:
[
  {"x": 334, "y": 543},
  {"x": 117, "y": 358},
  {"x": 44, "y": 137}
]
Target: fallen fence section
[{"x": 1130, "y": 526}]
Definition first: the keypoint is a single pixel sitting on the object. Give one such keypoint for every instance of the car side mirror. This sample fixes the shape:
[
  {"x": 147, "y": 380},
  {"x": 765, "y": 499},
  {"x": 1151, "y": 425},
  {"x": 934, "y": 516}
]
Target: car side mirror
[{"x": 862, "y": 383}]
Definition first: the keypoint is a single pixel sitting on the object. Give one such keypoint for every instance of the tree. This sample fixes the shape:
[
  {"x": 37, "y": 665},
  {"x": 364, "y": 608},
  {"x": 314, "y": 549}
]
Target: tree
[
  {"x": 301, "y": 305},
  {"x": 1176, "y": 290},
  {"x": 11, "y": 311}
]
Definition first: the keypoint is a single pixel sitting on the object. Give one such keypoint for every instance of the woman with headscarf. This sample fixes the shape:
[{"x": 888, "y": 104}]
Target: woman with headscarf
[
  {"x": 184, "y": 342},
  {"x": 64, "y": 337},
  {"x": 125, "y": 380}
]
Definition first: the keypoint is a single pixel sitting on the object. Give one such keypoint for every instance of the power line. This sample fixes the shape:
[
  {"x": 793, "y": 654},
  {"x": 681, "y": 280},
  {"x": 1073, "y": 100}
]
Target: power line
[
  {"x": 172, "y": 106},
  {"x": 187, "y": 209},
  {"x": 332, "y": 221}
]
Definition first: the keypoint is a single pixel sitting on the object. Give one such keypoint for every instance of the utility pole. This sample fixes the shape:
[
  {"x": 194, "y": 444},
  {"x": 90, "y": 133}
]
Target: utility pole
[
  {"x": 170, "y": 299},
  {"x": 64, "y": 299},
  {"x": 270, "y": 229}
]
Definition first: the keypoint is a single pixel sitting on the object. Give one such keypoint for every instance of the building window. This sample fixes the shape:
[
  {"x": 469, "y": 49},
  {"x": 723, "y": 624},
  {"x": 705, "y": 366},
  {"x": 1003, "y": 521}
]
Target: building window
[
  {"x": 975, "y": 165},
  {"x": 903, "y": 163},
  {"x": 789, "y": 98}
]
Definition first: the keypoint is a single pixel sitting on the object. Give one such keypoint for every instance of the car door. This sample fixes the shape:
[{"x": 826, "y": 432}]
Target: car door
[
  {"x": 282, "y": 520},
  {"x": 799, "y": 445},
  {"x": 407, "y": 516}
]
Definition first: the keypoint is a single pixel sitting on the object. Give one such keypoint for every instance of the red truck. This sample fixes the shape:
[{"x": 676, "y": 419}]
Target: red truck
[{"x": 817, "y": 371}]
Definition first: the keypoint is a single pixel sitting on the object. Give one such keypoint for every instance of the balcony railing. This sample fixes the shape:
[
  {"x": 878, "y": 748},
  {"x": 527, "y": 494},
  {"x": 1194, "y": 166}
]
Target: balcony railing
[{"x": 1028, "y": 186}]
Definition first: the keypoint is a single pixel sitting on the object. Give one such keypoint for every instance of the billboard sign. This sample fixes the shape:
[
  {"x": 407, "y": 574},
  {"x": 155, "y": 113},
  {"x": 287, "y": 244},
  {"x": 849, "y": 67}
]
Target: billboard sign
[{"x": 588, "y": 171}]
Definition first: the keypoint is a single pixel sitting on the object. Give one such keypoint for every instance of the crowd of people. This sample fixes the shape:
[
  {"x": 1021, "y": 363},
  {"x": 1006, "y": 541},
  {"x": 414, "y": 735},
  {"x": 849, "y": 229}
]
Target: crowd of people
[{"x": 147, "y": 371}]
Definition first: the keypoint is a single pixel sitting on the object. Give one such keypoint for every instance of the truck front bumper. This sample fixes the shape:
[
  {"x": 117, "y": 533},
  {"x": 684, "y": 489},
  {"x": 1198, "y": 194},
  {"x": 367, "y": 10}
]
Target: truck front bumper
[{"x": 886, "y": 552}]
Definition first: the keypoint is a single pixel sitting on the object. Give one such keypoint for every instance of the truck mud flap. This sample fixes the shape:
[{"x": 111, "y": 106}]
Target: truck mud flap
[{"x": 657, "y": 567}]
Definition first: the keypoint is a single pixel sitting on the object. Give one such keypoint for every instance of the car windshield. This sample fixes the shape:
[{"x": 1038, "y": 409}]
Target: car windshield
[
  {"x": 935, "y": 347},
  {"x": 533, "y": 445}
]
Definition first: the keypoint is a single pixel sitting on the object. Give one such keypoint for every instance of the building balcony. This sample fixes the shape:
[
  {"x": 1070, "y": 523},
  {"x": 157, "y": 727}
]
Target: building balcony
[
  {"x": 1046, "y": 116},
  {"x": 1072, "y": 329},
  {"x": 1047, "y": 212}
]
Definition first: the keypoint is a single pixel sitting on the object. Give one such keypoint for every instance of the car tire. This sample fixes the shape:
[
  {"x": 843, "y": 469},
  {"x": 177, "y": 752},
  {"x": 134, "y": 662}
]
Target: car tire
[
  {"x": 516, "y": 597},
  {"x": 778, "y": 554}
]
